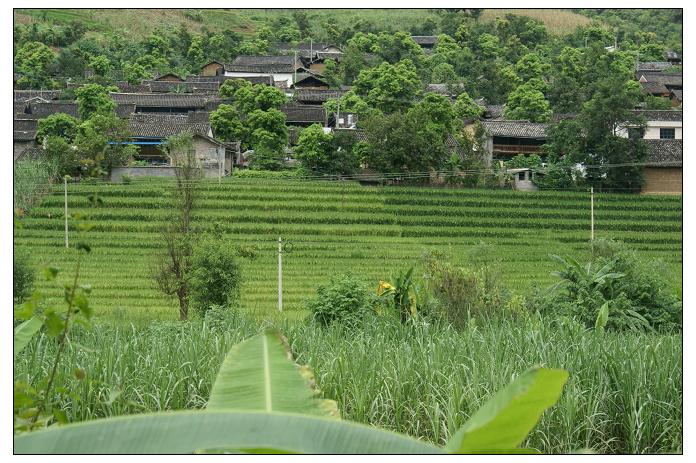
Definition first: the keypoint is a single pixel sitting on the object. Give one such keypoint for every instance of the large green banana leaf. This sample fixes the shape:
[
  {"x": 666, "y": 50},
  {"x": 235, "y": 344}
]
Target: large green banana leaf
[
  {"x": 24, "y": 332},
  {"x": 188, "y": 431},
  {"x": 505, "y": 420},
  {"x": 259, "y": 375}
]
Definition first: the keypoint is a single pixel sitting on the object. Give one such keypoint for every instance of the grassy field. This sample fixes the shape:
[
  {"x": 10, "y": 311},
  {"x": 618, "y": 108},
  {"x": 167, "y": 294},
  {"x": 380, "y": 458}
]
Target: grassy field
[
  {"x": 139, "y": 23},
  {"x": 335, "y": 227},
  {"x": 624, "y": 394}
]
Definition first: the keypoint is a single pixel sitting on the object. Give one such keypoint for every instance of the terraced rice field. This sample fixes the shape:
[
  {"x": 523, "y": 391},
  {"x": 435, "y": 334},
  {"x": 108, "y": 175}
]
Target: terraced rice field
[{"x": 335, "y": 227}]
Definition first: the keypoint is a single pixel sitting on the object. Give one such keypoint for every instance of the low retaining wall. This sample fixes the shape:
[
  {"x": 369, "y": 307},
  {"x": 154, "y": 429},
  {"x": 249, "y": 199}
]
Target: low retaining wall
[{"x": 117, "y": 173}]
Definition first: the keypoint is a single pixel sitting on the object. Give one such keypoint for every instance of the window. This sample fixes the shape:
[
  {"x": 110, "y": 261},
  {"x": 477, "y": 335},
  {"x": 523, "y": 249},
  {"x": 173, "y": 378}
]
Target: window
[
  {"x": 667, "y": 134},
  {"x": 521, "y": 175}
]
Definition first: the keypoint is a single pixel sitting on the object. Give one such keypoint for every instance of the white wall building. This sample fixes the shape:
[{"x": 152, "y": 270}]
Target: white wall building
[
  {"x": 282, "y": 68},
  {"x": 661, "y": 125}
]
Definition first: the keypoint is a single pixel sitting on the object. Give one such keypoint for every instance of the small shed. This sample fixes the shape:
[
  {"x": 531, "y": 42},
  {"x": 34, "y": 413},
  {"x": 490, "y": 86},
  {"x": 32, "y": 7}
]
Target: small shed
[
  {"x": 522, "y": 179},
  {"x": 213, "y": 68}
]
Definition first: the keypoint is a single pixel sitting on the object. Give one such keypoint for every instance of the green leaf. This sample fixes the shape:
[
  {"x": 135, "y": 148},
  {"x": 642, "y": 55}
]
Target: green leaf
[
  {"x": 54, "y": 323},
  {"x": 50, "y": 273},
  {"x": 259, "y": 374},
  {"x": 24, "y": 332},
  {"x": 602, "y": 318},
  {"x": 81, "y": 302},
  {"x": 192, "y": 430},
  {"x": 505, "y": 420}
]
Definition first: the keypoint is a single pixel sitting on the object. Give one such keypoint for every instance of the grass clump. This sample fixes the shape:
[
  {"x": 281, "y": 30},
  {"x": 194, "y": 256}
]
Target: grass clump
[{"x": 345, "y": 299}]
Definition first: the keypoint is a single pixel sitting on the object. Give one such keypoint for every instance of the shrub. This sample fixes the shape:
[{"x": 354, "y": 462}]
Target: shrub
[
  {"x": 636, "y": 291},
  {"x": 23, "y": 277},
  {"x": 465, "y": 292},
  {"x": 345, "y": 299},
  {"x": 215, "y": 277}
]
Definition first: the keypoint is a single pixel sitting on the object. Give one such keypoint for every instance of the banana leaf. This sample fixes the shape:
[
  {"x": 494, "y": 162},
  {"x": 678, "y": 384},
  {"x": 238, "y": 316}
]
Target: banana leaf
[
  {"x": 259, "y": 375},
  {"x": 24, "y": 332},
  {"x": 190, "y": 431}
]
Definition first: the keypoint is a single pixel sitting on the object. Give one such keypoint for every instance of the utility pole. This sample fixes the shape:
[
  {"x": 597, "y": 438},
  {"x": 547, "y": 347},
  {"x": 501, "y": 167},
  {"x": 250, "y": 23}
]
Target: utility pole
[
  {"x": 219, "y": 168},
  {"x": 338, "y": 110},
  {"x": 65, "y": 189},
  {"x": 592, "y": 213},
  {"x": 280, "y": 274},
  {"x": 294, "y": 65}
]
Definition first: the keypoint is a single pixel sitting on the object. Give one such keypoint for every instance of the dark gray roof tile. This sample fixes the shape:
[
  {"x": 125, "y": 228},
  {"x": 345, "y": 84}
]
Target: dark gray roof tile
[
  {"x": 517, "y": 129},
  {"x": 664, "y": 153}
]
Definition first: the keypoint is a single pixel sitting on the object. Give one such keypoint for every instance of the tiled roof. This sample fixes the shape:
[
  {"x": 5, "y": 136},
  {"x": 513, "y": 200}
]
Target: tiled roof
[
  {"x": 494, "y": 111},
  {"x": 25, "y": 124},
  {"x": 671, "y": 55},
  {"x": 266, "y": 80},
  {"x": 425, "y": 39},
  {"x": 664, "y": 153},
  {"x": 24, "y": 95},
  {"x": 23, "y": 135},
  {"x": 329, "y": 55},
  {"x": 164, "y": 86},
  {"x": 41, "y": 110},
  {"x": 654, "y": 88},
  {"x": 660, "y": 115},
  {"x": 162, "y": 100},
  {"x": 125, "y": 87},
  {"x": 666, "y": 78},
  {"x": 517, "y": 129},
  {"x": 652, "y": 65},
  {"x": 272, "y": 64},
  {"x": 302, "y": 94},
  {"x": 297, "y": 114},
  {"x": 164, "y": 125},
  {"x": 307, "y": 78}
]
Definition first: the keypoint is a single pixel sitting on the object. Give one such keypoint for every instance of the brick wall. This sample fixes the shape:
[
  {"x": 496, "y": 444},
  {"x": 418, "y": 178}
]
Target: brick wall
[{"x": 662, "y": 180}]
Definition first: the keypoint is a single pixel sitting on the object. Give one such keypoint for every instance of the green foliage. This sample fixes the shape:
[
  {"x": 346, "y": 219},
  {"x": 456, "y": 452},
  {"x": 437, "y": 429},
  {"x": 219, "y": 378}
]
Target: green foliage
[
  {"x": 257, "y": 376},
  {"x": 521, "y": 160},
  {"x": 635, "y": 295},
  {"x": 94, "y": 99},
  {"x": 57, "y": 125},
  {"x": 527, "y": 102},
  {"x": 134, "y": 73},
  {"x": 214, "y": 277},
  {"x": 345, "y": 299},
  {"x": 22, "y": 277},
  {"x": 389, "y": 87},
  {"x": 466, "y": 108},
  {"x": 100, "y": 65},
  {"x": 32, "y": 61},
  {"x": 227, "y": 124},
  {"x": 504, "y": 422}
]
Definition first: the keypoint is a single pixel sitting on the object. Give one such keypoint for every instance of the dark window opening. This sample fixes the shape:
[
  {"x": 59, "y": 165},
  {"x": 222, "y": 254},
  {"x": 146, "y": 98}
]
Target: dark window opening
[{"x": 667, "y": 134}]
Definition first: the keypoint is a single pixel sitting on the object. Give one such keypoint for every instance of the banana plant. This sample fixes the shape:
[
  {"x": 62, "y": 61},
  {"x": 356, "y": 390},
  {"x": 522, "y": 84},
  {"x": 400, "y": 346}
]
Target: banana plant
[{"x": 262, "y": 402}]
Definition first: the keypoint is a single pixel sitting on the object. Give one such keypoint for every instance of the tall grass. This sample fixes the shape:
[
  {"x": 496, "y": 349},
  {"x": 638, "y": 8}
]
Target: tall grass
[
  {"x": 624, "y": 394},
  {"x": 32, "y": 179}
]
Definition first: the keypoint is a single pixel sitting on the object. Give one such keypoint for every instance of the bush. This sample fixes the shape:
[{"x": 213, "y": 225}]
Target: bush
[
  {"x": 23, "y": 278},
  {"x": 636, "y": 291},
  {"x": 346, "y": 299},
  {"x": 215, "y": 277},
  {"x": 466, "y": 292}
]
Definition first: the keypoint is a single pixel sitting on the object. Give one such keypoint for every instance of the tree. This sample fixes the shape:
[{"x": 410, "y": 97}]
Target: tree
[
  {"x": 94, "y": 99},
  {"x": 62, "y": 155},
  {"x": 567, "y": 92},
  {"x": 324, "y": 153},
  {"x": 444, "y": 73},
  {"x": 466, "y": 108},
  {"x": 100, "y": 65},
  {"x": 227, "y": 124},
  {"x": 214, "y": 277},
  {"x": 389, "y": 87},
  {"x": 266, "y": 97},
  {"x": 172, "y": 268},
  {"x": 32, "y": 61},
  {"x": 527, "y": 102},
  {"x": 530, "y": 67},
  {"x": 100, "y": 144},
  {"x": 57, "y": 125},
  {"x": 302, "y": 21},
  {"x": 135, "y": 73}
]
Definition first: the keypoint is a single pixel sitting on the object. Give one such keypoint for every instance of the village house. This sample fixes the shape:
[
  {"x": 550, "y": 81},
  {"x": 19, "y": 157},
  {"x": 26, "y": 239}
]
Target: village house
[
  {"x": 663, "y": 168},
  {"x": 149, "y": 131},
  {"x": 506, "y": 138},
  {"x": 172, "y": 103},
  {"x": 315, "y": 54},
  {"x": 426, "y": 42},
  {"x": 283, "y": 68},
  {"x": 310, "y": 81}
]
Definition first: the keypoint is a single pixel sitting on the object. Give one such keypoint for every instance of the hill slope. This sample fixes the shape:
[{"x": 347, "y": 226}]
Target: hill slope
[{"x": 336, "y": 227}]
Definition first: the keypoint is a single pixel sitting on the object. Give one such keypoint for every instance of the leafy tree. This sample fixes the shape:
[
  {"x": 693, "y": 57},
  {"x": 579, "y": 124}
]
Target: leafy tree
[
  {"x": 135, "y": 73},
  {"x": 94, "y": 99},
  {"x": 229, "y": 87},
  {"x": 332, "y": 73},
  {"x": 436, "y": 109},
  {"x": 227, "y": 125},
  {"x": 99, "y": 143},
  {"x": 33, "y": 61},
  {"x": 567, "y": 91},
  {"x": 302, "y": 20},
  {"x": 57, "y": 125},
  {"x": 214, "y": 277},
  {"x": 527, "y": 102},
  {"x": 100, "y": 65},
  {"x": 22, "y": 277},
  {"x": 466, "y": 108},
  {"x": 324, "y": 153},
  {"x": 352, "y": 103},
  {"x": 530, "y": 66},
  {"x": 444, "y": 73},
  {"x": 195, "y": 53},
  {"x": 266, "y": 97},
  {"x": 389, "y": 87},
  {"x": 62, "y": 155}
]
